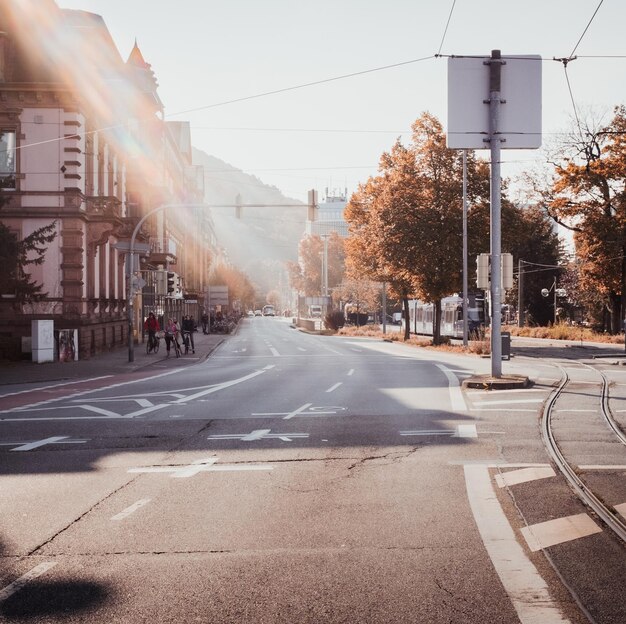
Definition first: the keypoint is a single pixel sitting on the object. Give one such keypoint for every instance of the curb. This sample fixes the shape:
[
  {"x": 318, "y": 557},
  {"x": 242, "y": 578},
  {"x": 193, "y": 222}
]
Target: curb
[{"x": 487, "y": 382}]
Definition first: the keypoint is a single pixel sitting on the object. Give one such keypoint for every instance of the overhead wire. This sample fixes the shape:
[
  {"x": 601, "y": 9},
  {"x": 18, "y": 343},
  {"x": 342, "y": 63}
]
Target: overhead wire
[{"x": 445, "y": 32}]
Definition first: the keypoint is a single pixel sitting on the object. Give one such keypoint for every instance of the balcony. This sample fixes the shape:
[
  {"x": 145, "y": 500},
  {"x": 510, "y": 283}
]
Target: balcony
[{"x": 162, "y": 251}]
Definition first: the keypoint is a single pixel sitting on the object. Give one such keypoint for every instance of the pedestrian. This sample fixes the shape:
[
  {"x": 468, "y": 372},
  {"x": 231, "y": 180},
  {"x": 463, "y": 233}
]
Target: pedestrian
[{"x": 204, "y": 319}]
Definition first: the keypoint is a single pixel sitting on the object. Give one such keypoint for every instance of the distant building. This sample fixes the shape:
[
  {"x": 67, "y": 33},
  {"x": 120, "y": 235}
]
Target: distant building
[{"x": 329, "y": 217}]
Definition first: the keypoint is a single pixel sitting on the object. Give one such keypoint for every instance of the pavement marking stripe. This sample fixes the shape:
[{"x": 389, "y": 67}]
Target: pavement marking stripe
[
  {"x": 528, "y": 592},
  {"x": 483, "y": 409},
  {"x": 507, "y": 402},
  {"x": 255, "y": 435},
  {"x": 132, "y": 509},
  {"x": 524, "y": 475},
  {"x": 65, "y": 383},
  {"x": 621, "y": 509},
  {"x": 552, "y": 532},
  {"x": 351, "y": 372},
  {"x": 335, "y": 386},
  {"x": 19, "y": 583},
  {"x": 456, "y": 396}
]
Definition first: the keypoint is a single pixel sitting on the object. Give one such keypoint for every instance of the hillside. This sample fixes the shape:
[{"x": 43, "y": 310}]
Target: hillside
[{"x": 263, "y": 239}]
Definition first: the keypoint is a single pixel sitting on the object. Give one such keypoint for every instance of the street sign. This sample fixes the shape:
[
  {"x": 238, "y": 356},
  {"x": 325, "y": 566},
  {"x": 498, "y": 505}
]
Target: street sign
[
  {"x": 124, "y": 247},
  {"x": 519, "y": 123},
  {"x": 218, "y": 295}
]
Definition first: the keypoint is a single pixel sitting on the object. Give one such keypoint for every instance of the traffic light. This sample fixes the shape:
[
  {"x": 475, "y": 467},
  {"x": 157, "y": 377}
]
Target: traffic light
[
  {"x": 506, "y": 262},
  {"x": 482, "y": 271},
  {"x": 171, "y": 283}
]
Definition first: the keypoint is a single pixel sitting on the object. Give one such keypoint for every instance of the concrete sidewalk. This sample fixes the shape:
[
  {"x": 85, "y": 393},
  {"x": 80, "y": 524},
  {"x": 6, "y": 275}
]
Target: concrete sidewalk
[{"x": 110, "y": 363}]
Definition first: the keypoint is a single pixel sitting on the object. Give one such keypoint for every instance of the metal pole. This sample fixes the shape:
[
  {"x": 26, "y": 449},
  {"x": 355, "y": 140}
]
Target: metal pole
[
  {"x": 495, "y": 65},
  {"x": 554, "y": 286},
  {"x": 520, "y": 293},
  {"x": 465, "y": 289}
]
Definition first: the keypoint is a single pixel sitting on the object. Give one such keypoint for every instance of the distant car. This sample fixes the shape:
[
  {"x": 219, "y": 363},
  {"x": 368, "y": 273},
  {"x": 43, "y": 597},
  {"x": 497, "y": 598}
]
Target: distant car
[
  {"x": 258, "y": 313},
  {"x": 250, "y": 313}
]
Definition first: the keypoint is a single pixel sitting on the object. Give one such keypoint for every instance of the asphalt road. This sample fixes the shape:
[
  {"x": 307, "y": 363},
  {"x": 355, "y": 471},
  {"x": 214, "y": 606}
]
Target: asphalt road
[{"x": 291, "y": 478}]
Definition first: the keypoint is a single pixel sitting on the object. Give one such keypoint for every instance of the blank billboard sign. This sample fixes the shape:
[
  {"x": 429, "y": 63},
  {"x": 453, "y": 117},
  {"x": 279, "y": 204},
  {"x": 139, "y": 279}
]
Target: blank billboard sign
[{"x": 519, "y": 119}]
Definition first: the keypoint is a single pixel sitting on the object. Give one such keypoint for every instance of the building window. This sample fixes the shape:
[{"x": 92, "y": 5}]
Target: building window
[{"x": 8, "y": 156}]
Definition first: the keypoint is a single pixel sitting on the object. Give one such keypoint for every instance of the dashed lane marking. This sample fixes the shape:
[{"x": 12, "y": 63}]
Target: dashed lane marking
[
  {"x": 21, "y": 582},
  {"x": 524, "y": 475},
  {"x": 351, "y": 372},
  {"x": 553, "y": 532},
  {"x": 334, "y": 387}
]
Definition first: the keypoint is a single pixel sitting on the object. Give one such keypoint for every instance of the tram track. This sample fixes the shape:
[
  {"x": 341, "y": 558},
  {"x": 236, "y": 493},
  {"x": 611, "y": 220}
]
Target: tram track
[{"x": 610, "y": 518}]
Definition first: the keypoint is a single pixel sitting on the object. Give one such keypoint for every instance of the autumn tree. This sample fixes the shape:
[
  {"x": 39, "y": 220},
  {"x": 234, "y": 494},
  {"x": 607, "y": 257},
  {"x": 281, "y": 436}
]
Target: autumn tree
[
  {"x": 239, "y": 286},
  {"x": 587, "y": 194},
  {"x": 411, "y": 214},
  {"x": 305, "y": 276}
]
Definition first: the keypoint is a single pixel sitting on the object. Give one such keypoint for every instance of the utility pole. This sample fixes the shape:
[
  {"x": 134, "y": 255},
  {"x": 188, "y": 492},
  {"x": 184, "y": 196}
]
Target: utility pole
[
  {"x": 495, "y": 71},
  {"x": 465, "y": 288}
]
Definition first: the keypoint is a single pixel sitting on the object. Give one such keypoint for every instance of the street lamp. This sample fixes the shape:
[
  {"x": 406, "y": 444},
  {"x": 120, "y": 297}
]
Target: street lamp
[{"x": 558, "y": 292}]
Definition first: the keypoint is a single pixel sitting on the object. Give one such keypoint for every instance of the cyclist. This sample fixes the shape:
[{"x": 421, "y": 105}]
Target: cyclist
[
  {"x": 151, "y": 325},
  {"x": 171, "y": 335},
  {"x": 188, "y": 333}
]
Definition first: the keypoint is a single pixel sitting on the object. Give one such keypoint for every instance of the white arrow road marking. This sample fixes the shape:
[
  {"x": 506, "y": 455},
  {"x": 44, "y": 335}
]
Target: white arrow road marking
[
  {"x": 132, "y": 509},
  {"x": 200, "y": 465},
  {"x": 29, "y": 446},
  {"x": 259, "y": 434},
  {"x": 19, "y": 583},
  {"x": 298, "y": 411}
]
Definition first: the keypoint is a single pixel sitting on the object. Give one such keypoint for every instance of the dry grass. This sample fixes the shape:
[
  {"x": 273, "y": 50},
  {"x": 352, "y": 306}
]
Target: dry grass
[
  {"x": 563, "y": 332},
  {"x": 483, "y": 347}
]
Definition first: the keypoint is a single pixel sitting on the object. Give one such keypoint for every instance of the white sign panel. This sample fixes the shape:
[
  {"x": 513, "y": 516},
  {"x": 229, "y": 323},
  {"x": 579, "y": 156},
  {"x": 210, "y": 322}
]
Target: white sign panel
[{"x": 519, "y": 122}]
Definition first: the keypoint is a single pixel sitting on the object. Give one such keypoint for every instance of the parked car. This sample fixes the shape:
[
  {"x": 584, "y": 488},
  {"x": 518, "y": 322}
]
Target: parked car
[{"x": 258, "y": 313}]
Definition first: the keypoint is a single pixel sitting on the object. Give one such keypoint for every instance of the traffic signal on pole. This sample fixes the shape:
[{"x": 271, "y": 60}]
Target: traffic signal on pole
[
  {"x": 171, "y": 282},
  {"x": 507, "y": 270},
  {"x": 482, "y": 271}
]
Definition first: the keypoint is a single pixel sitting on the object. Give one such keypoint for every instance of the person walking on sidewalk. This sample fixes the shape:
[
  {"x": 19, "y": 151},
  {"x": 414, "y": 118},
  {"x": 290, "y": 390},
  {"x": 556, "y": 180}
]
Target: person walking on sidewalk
[{"x": 204, "y": 319}]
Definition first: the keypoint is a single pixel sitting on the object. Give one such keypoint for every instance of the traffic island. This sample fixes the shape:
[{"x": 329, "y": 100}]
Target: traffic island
[{"x": 488, "y": 382}]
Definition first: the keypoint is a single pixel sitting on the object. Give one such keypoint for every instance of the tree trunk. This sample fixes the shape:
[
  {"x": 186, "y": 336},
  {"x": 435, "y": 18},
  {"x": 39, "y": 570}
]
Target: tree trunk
[
  {"x": 616, "y": 321},
  {"x": 407, "y": 318},
  {"x": 437, "y": 322}
]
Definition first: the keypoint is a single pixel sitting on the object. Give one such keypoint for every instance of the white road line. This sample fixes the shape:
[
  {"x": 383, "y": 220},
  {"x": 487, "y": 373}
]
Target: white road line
[
  {"x": 298, "y": 411},
  {"x": 226, "y": 384},
  {"x": 482, "y": 409},
  {"x": 201, "y": 465},
  {"x": 33, "y": 445},
  {"x": 255, "y": 435},
  {"x": 19, "y": 583},
  {"x": 507, "y": 402},
  {"x": 456, "y": 396},
  {"x": 521, "y": 580},
  {"x": 559, "y": 531},
  {"x": 65, "y": 383},
  {"x": 339, "y": 383},
  {"x": 524, "y": 475},
  {"x": 99, "y": 410},
  {"x": 274, "y": 352},
  {"x": 301, "y": 349},
  {"x": 132, "y": 509},
  {"x": 351, "y": 372}
]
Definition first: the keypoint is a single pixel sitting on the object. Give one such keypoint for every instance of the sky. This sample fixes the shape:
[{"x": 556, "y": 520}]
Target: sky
[{"x": 208, "y": 53}]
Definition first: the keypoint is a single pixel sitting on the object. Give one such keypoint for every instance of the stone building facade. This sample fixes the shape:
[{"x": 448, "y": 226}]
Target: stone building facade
[{"x": 84, "y": 145}]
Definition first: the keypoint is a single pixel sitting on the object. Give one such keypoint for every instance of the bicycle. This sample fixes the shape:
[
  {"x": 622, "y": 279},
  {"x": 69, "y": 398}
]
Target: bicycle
[
  {"x": 152, "y": 346},
  {"x": 176, "y": 348},
  {"x": 186, "y": 341}
]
